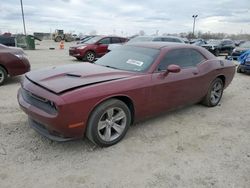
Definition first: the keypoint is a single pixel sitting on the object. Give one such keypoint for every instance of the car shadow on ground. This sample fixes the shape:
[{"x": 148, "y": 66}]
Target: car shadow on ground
[{"x": 139, "y": 129}]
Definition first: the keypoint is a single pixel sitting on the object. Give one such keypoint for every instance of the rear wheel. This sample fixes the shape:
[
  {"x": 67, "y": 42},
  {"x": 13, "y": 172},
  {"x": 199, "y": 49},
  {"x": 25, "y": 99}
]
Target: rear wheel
[
  {"x": 90, "y": 56},
  {"x": 214, "y": 93},
  {"x": 108, "y": 123},
  {"x": 3, "y": 75}
]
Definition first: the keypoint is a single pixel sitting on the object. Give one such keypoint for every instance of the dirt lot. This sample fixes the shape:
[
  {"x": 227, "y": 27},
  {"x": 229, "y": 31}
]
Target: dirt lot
[{"x": 193, "y": 147}]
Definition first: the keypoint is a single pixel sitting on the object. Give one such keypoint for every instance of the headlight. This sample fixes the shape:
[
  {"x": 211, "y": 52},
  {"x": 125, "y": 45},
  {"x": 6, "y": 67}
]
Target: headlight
[
  {"x": 53, "y": 105},
  {"x": 21, "y": 56},
  {"x": 81, "y": 47}
]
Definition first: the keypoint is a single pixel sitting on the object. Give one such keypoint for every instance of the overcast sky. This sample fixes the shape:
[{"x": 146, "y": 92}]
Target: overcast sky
[{"x": 126, "y": 17}]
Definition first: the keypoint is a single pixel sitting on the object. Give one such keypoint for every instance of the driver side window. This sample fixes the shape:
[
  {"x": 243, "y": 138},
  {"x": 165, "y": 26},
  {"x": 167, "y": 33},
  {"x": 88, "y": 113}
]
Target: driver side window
[{"x": 183, "y": 57}]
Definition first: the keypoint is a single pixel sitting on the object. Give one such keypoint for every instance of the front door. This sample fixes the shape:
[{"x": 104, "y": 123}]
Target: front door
[{"x": 177, "y": 89}]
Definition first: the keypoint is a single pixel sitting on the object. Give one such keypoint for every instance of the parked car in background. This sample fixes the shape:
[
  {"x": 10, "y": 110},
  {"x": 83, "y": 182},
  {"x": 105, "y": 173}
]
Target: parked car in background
[
  {"x": 242, "y": 48},
  {"x": 239, "y": 42},
  {"x": 8, "y": 41},
  {"x": 75, "y": 37},
  {"x": 129, "y": 84},
  {"x": 157, "y": 38},
  {"x": 244, "y": 60},
  {"x": 220, "y": 46},
  {"x": 198, "y": 42},
  {"x": 13, "y": 62},
  {"x": 94, "y": 47}
]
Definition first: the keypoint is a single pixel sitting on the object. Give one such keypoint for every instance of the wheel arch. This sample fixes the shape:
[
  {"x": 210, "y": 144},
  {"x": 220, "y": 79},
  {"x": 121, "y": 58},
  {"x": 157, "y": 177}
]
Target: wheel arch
[
  {"x": 4, "y": 68},
  {"x": 127, "y": 100},
  {"x": 90, "y": 50},
  {"x": 223, "y": 78}
]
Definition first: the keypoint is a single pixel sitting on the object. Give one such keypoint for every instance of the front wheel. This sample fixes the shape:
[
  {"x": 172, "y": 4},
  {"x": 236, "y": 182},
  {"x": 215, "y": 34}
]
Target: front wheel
[
  {"x": 108, "y": 123},
  {"x": 3, "y": 75},
  {"x": 214, "y": 93},
  {"x": 90, "y": 56}
]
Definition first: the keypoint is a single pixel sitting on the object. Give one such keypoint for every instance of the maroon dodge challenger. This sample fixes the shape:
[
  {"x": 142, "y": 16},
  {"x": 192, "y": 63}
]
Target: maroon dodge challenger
[
  {"x": 131, "y": 83},
  {"x": 13, "y": 62}
]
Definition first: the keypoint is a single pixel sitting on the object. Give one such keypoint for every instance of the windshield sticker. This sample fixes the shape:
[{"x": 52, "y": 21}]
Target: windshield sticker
[{"x": 135, "y": 62}]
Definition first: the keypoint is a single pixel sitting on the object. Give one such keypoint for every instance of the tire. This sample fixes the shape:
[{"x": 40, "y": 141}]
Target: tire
[
  {"x": 108, "y": 123},
  {"x": 90, "y": 56},
  {"x": 58, "y": 39},
  {"x": 239, "y": 69},
  {"x": 3, "y": 75},
  {"x": 214, "y": 93}
]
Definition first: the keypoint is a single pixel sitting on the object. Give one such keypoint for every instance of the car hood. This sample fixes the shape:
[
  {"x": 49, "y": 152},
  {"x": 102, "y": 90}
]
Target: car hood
[
  {"x": 68, "y": 77},
  {"x": 79, "y": 45}
]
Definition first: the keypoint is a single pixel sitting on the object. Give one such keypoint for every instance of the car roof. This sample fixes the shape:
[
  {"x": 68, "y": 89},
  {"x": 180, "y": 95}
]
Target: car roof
[
  {"x": 158, "y": 45},
  {"x": 171, "y": 45}
]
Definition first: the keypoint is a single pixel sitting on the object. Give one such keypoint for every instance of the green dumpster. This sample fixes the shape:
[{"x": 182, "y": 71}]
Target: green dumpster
[{"x": 30, "y": 41}]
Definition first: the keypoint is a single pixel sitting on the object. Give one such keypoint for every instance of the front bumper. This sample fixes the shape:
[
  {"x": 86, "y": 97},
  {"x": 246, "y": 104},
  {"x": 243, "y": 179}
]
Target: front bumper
[
  {"x": 75, "y": 52},
  {"x": 55, "y": 126},
  {"x": 41, "y": 129}
]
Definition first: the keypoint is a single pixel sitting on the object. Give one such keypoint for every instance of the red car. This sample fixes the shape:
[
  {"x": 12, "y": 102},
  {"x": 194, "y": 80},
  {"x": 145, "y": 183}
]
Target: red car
[
  {"x": 94, "y": 47},
  {"x": 128, "y": 84},
  {"x": 13, "y": 62}
]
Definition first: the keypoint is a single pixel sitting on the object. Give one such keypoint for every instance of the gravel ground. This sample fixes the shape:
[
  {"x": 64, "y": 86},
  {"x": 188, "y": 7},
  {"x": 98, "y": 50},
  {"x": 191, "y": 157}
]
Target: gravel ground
[{"x": 192, "y": 147}]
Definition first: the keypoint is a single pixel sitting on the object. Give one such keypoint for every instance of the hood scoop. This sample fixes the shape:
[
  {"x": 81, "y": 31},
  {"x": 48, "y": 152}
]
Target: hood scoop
[{"x": 73, "y": 75}]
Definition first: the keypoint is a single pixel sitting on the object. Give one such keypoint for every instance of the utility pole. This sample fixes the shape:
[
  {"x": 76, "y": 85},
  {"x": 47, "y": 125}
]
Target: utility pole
[
  {"x": 194, "y": 16},
  {"x": 24, "y": 28}
]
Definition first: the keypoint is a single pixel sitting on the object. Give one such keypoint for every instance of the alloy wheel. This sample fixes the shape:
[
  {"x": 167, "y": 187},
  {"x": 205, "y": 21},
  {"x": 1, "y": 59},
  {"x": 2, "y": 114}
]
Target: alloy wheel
[
  {"x": 2, "y": 76},
  {"x": 112, "y": 124},
  {"x": 90, "y": 57},
  {"x": 216, "y": 92}
]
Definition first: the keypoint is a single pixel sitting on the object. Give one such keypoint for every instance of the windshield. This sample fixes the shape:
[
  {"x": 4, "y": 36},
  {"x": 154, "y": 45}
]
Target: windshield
[
  {"x": 141, "y": 39},
  {"x": 86, "y": 39},
  {"x": 129, "y": 58},
  {"x": 245, "y": 44},
  {"x": 93, "y": 40}
]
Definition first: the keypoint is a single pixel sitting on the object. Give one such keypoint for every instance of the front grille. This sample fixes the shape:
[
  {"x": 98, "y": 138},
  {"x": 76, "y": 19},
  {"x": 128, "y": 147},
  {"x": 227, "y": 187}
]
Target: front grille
[{"x": 39, "y": 102}]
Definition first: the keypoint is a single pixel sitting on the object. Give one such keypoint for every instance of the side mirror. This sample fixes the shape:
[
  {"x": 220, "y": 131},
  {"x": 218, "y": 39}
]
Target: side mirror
[{"x": 173, "y": 69}]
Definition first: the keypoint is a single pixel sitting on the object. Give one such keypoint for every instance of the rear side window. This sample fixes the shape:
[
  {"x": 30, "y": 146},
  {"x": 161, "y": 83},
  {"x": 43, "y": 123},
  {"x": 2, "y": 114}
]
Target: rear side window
[
  {"x": 168, "y": 39},
  {"x": 116, "y": 40},
  {"x": 183, "y": 57},
  {"x": 157, "y": 39},
  {"x": 123, "y": 39}
]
